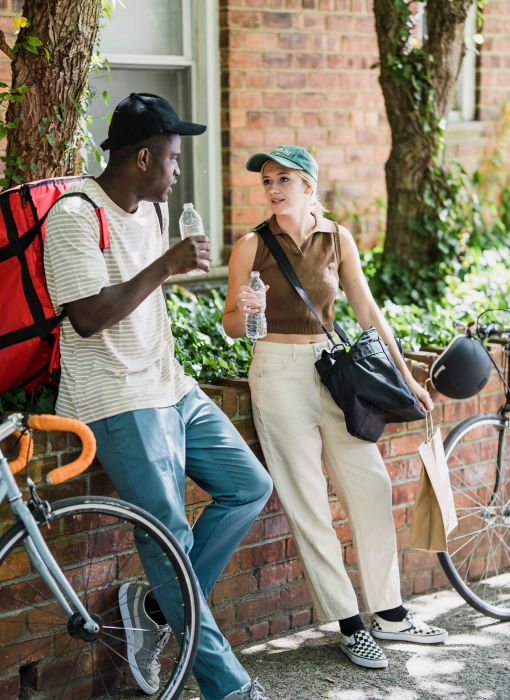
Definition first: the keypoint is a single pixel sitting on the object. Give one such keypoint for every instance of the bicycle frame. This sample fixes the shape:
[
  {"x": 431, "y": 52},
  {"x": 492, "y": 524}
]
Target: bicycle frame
[
  {"x": 34, "y": 543},
  {"x": 504, "y": 411}
]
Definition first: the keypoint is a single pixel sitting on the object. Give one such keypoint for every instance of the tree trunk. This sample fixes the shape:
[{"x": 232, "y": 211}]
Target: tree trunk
[
  {"x": 415, "y": 107},
  {"x": 45, "y": 135}
]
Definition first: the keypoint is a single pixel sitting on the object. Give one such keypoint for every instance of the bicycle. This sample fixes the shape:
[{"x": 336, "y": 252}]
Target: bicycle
[
  {"x": 477, "y": 562},
  {"x": 61, "y": 566}
]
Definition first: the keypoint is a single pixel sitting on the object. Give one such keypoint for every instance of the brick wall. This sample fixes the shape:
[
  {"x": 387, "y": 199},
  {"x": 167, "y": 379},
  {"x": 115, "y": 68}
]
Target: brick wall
[
  {"x": 262, "y": 591},
  {"x": 298, "y": 71}
]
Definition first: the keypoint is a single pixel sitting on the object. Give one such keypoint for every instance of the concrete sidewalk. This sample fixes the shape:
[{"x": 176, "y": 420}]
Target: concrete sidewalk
[{"x": 474, "y": 664}]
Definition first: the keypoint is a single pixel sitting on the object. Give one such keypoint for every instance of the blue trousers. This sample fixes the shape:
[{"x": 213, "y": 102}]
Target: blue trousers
[{"x": 147, "y": 453}]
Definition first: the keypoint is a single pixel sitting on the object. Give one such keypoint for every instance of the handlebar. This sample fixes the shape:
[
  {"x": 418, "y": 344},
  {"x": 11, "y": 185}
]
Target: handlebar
[{"x": 58, "y": 423}]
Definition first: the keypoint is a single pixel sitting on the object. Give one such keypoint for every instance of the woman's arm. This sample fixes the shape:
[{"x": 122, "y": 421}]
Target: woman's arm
[
  {"x": 240, "y": 300},
  {"x": 368, "y": 313}
]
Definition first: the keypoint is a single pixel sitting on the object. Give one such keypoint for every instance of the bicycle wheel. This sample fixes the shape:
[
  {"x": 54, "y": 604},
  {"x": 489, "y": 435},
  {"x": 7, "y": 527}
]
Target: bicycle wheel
[
  {"x": 96, "y": 543},
  {"x": 478, "y": 559}
]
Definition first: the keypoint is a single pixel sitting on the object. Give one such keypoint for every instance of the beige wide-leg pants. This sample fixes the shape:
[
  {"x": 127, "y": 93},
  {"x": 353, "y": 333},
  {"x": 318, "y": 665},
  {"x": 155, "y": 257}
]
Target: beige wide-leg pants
[{"x": 300, "y": 427}]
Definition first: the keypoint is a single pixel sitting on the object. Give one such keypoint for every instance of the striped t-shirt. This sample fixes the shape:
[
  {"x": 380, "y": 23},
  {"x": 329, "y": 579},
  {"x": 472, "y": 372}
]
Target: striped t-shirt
[{"x": 130, "y": 365}]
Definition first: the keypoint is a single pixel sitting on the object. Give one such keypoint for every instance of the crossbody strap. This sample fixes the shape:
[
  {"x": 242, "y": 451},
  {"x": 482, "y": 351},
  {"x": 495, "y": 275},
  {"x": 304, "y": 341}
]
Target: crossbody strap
[{"x": 279, "y": 255}]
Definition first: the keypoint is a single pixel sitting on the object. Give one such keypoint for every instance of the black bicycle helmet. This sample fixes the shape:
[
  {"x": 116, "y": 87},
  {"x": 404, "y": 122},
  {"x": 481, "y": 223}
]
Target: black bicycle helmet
[{"x": 462, "y": 369}]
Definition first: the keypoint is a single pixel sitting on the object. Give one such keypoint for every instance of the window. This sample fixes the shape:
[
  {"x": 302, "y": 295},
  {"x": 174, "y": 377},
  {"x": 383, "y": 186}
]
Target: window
[
  {"x": 464, "y": 106},
  {"x": 170, "y": 48}
]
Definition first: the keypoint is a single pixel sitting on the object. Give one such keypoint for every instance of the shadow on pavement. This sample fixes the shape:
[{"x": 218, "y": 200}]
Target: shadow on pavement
[{"x": 474, "y": 663}]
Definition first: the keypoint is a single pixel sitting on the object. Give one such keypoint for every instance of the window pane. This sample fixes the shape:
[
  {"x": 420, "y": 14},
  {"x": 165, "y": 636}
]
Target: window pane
[
  {"x": 148, "y": 27},
  {"x": 174, "y": 85}
]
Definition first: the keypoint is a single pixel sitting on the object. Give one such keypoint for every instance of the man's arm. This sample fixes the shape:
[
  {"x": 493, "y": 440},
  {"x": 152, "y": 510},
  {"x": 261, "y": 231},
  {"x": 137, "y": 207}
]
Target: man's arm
[{"x": 112, "y": 304}]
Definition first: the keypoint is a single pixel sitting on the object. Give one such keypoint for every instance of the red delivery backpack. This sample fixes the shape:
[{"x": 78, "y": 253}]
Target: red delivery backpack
[{"x": 29, "y": 328}]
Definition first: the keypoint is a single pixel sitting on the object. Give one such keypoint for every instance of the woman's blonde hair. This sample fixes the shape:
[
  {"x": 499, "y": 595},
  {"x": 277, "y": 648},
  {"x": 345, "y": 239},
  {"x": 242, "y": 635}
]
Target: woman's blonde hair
[{"x": 318, "y": 206}]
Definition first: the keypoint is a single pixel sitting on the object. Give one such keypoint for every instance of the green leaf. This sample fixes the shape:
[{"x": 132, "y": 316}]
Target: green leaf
[{"x": 34, "y": 41}]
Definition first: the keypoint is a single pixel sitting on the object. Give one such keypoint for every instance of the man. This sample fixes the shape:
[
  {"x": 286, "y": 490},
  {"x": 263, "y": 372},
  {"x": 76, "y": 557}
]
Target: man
[{"x": 152, "y": 423}]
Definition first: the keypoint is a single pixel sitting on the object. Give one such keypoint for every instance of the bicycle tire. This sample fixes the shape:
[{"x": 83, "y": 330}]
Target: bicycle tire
[
  {"x": 93, "y": 541},
  {"x": 477, "y": 562}
]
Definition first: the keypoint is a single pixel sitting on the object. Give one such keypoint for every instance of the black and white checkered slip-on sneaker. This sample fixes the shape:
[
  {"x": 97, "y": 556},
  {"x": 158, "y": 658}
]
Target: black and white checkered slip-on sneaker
[
  {"x": 408, "y": 630},
  {"x": 362, "y": 650}
]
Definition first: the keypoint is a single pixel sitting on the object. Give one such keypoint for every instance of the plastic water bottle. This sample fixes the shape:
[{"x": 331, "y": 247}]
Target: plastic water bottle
[
  {"x": 256, "y": 325},
  {"x": 191, "y": 224}
]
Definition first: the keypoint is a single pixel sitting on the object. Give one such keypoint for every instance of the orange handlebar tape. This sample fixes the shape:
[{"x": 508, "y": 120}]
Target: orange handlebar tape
[
  {"x": 26, "y": 450},
  {"x": 88, "y": 451}
]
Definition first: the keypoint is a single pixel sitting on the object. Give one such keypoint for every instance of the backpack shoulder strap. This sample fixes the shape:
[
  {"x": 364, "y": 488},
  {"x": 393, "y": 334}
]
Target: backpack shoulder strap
[{"x": 104, "y": 233}]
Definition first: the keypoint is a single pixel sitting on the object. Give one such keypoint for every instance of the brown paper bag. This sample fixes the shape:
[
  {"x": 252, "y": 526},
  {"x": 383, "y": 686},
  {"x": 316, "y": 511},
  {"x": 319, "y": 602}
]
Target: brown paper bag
[{"x": 434, "y": 515}]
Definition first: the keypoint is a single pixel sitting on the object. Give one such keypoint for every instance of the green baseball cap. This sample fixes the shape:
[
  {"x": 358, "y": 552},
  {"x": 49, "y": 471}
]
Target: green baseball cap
[{"x": 295, "y": 157}]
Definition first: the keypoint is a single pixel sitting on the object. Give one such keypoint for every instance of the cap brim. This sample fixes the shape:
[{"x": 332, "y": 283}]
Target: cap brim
[
  {"x": 256, "y": 162},
  {"x": 187, "y": 129}
]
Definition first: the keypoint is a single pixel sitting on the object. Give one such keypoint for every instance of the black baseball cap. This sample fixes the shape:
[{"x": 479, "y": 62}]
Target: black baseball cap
[{"x": 142, "y": 115}]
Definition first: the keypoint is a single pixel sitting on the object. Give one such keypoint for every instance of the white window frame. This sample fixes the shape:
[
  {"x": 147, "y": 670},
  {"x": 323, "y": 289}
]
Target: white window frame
[{"x": 200, "y": 32}]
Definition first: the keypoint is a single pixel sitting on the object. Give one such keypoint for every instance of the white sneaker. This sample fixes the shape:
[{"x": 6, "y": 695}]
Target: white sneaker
[
  {"x": 408, "y": 630},
  {"x": 362, "y": 650}
]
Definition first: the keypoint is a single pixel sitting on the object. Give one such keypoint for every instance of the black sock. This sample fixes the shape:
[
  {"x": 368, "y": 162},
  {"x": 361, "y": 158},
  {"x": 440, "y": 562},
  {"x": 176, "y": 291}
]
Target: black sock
[
  {"x": 393, "y": 614},
  {"x": 350, "y": 625},
  {"x": 153, "y": 611}
]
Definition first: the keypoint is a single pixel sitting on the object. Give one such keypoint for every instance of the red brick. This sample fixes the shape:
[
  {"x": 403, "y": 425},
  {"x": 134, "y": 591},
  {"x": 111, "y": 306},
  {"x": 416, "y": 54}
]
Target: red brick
[
  {"x": 279, "y": 624},
  {"x": 17, "y": 564},
  {"x": 406, "y": 445},
  {"x": 301, "y": 618},
  {"x": 9, "y": 687},
  {"x": 404, "y": 493},
  {"x": 255, "y": 533},
  {"x": 296, "y": 596},
  {"x": 258, "y": 608},
  {"x": 277, "y": 20},
  {"x": 275, "y": 526},
  {"x": 234, "y": 587},
  {"x": 224, "y": 617},
  {"x": 262, "y": 554},
  {"x": 11, "y": 628},
  {"x": 415, "y": 561},
  {"x": 258, "y": 631},
  {"x": 237, "y": 637},
  {"x": 271, "y": 576}
]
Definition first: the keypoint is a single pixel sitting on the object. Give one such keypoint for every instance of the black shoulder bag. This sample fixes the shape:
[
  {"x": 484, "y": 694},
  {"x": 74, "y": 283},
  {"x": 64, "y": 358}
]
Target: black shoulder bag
[{"x": 362, "y": 378}]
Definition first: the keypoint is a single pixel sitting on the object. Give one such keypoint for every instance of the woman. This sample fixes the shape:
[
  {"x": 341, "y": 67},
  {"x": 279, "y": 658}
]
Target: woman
[{"x": 299, "y": 425}]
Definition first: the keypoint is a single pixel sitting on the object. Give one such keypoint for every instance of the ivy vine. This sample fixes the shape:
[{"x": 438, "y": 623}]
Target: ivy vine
[
  {"x": 15, "y": 166},
  {"x": 450, "y": 211}
]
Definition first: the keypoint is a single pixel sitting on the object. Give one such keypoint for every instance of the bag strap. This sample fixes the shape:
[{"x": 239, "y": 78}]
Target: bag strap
[
  {"x": 279, "y": 255},
  {"x": 104, "y": 234}
]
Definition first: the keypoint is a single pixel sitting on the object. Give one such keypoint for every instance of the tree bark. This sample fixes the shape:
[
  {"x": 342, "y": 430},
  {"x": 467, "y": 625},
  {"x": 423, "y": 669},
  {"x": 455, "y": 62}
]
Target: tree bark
[
  {"x": 45, "y": 135},
  {"x": 414, "y": 145}
]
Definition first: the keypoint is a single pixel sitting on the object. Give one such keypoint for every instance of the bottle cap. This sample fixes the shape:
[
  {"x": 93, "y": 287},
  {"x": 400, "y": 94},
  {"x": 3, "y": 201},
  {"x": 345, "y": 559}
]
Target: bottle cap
[{"x": 188, "y": 205}]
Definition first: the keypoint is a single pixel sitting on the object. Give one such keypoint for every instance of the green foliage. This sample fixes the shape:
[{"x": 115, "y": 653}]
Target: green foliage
[
  {"x": 201, "y": 345},
  {"x": 18, "y": 400},
  {"x": 482, "y": 282},
  {"x": 207, "y": 354}
]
